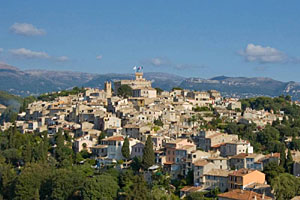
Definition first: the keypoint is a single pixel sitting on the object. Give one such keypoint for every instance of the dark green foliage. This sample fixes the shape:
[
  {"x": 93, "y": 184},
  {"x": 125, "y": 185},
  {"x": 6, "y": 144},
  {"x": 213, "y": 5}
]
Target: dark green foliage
[
  {"x": 195, "y": 196},
  {"x": 285, "y": 186},
  {"x": 54, "y": 95},
  {"x": 101, "y": 136},
  {"x": 148, "y": 154},
  {"x": 272, "y": 170},
  {"x": 139, "y": 189},
  {"x": 125, "y": 149},
  {"x": 190, "y": 177},
  {"x": 100, "y": 187},
  {"x": 159, "y": 90},
  {"x": 136, "y": 164},
  {"x": 158, "y": 122},
  {"x": 125, "y": 91},
  {"x": 176, "y": 88},
  {"x": 289, "y": 163},
  {"x": 201, "y": 109}
]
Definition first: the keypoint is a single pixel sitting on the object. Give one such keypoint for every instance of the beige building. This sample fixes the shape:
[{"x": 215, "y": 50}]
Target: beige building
[{"x": 138, "y": 83}]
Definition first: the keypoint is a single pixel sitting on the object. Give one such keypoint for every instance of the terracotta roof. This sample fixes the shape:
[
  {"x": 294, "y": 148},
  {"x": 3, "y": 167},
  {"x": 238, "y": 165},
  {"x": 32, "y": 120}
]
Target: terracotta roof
[
  {"x": 168, "y": 163},
  {"x": 218, "y": 172},
  {"x": 201, "y": 163},
  {"x": 240, "y": 156},
  {"x": 114, "y": 138},
  {"x": 243, "y": 195},
  {"x": 242, "y": 172},
  {"x": 190, "y": 188}
]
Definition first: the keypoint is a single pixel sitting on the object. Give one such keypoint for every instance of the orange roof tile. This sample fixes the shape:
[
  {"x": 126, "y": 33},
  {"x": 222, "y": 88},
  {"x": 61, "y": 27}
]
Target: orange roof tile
[{"x": 243, "y": 195}]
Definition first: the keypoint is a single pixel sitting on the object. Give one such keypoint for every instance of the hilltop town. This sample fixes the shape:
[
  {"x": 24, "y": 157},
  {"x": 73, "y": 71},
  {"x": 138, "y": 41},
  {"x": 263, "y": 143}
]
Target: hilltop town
[{"x": 184, "y": 129}]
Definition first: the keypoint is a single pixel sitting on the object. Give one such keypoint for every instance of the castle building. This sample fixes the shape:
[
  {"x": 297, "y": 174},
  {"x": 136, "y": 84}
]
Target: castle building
[{"x": 140, "y": 86}]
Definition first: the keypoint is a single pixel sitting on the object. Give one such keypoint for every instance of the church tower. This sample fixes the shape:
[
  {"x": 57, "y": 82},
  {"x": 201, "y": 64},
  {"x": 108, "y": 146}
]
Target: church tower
[
  {"x": 107, "y": 89},
  {"x": 139, "y": 76}
]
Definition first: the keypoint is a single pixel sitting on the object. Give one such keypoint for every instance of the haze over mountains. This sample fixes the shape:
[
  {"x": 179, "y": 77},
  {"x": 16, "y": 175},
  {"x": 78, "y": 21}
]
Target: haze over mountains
[{"x": 34, "y": 82}]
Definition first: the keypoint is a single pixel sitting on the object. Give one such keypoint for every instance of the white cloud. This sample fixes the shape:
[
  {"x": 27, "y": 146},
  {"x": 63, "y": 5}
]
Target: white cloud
[
  {"x": 257, "y": 53},
  {"x": 26, "y": 29},
  {"x": 62, "y": 58},
  {"x": 27, "y": 53},
  {"x": 99, "y": 57},
  {"x": 1, "y": 50}
]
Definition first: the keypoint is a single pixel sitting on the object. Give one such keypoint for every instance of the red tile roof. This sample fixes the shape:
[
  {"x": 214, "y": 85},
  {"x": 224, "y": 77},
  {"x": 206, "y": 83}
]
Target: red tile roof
[{"x": 243, "y": 195}]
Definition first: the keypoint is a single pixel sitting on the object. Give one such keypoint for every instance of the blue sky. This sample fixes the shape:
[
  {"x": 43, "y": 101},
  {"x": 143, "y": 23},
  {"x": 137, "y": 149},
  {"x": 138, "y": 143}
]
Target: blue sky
[{"x": 187, "y": 37}]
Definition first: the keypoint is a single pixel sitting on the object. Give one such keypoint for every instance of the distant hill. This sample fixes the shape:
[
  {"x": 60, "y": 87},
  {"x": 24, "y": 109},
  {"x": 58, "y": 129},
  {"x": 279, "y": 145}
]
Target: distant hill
[{"x": 34, "y": 82}]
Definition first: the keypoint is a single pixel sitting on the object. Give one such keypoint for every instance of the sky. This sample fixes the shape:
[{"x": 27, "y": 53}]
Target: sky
[{"x": 191, "y": 38}]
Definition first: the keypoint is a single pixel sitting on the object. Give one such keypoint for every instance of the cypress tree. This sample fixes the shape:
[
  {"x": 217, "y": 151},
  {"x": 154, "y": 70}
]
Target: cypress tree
[
  {"x": 289, "y": 162},
  {"x": 148, "y": 156},
  {"x": 125, "y": 149},
  {"x": 282, "y": 158}
]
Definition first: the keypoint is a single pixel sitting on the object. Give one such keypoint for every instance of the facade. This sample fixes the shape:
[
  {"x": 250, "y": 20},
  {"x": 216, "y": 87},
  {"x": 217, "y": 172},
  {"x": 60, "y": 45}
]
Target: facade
[{"x": 241, "y": 178}]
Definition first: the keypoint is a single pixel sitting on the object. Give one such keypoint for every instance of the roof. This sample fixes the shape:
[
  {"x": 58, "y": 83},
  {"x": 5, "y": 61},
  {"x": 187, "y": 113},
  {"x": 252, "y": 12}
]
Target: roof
[
  {"x": 190, "y": 188},
  {"x": 218, "y": 172},
  {"x": 243, "y": 195},
  {"x": 201, "y": 163},
  {"x": 242, "y": 172},
  {"x": 114, "y": 138}
]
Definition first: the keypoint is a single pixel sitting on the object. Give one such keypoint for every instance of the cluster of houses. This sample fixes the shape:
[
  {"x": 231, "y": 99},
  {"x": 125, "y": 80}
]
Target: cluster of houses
[{"x": 173, "y": 120}]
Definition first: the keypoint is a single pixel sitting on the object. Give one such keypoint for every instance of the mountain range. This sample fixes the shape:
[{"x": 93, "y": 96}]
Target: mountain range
[{"x": 35, "y": 82}]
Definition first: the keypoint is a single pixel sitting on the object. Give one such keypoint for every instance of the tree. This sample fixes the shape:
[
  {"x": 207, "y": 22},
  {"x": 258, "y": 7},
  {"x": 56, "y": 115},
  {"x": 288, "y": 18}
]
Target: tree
[
  {"x": 125, "y": 149},
  {"x": 285, "y": 186},
  {"x": 148, "y": 154},
  {"x": 136, "y": 164},
  {"x": 100, "y": 187},
  {"x": 125, "y": 91},
  {"x": 66, "y": 183},
  {"x": 176, "y": 88},
  {"x": 289, "y": 162},
  {"x": 139, "y": 190},
  {"x": 272, "y": 170},
  {"x": 195, "y": 196},
  {"x": 158, "y": 122},
  {"x": 159, "y": 90},
  {"x": 101, "y": 136},
  {"x": 282, "y": 158},
  {"x": 30, "y": 180}
]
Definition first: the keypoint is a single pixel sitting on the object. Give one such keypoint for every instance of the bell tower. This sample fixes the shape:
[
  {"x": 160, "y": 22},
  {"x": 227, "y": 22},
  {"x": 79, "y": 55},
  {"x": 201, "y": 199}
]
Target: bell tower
[
  {"x": 139, "y": 76},
  {"x": 107, "y": 89}
]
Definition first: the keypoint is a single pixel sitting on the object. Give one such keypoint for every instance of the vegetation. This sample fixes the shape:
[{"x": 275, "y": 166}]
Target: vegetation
[
  {"x": 148, "y": 156},
  {"x": 159, "y": 90},
  {"x": 125, "y": 91},
  {"x": 176, "y": 88},
  {"x": 54, "y": 95},
  {"x": 125, "y": 149}
]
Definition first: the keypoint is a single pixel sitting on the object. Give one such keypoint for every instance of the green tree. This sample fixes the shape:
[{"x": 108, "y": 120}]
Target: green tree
[
  {"x": 7, "y": 179},
  {"x": 29, "y": 182},
  {"x": 159, "y": 90},
  {"x": 136, "y": 164},
  {"x": 282, "y": 158},
  {"x": 148, "y": 154},
  {"x": 125, "y": 91},
  {"x": 125, "y": 149},
  {"x": 66, "y": 184},
  {"x": 101, "y": 136},
  {"x": 158, "y": 122},
  {"x": 289, "y": 163},
  {"x": 100, "y": 187},
  {"x": 285, "y": 186},
  {"x": 272, "y": 170},
  {"x": 139, "y": 189}
]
